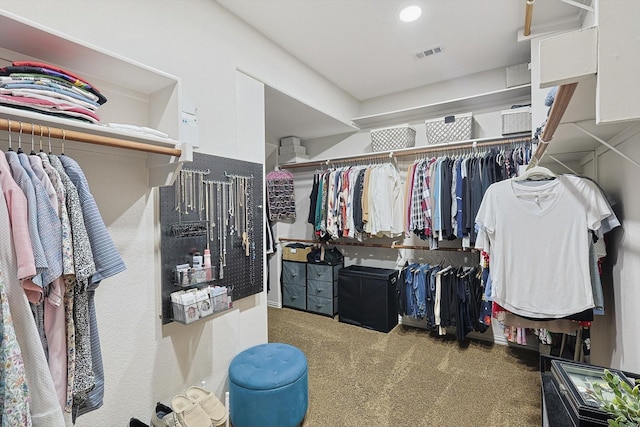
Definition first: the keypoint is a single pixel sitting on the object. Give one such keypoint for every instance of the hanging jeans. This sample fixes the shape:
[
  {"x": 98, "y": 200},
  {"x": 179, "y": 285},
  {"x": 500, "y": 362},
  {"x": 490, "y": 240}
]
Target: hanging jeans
[
  {"x": 431, "y": 296},
  {"x": 408, "y": 281},
  {"x": 419, "y": 286}
]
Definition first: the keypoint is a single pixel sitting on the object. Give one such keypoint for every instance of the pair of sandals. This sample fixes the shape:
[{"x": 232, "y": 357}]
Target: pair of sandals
[{"x": 199, "y": 408}]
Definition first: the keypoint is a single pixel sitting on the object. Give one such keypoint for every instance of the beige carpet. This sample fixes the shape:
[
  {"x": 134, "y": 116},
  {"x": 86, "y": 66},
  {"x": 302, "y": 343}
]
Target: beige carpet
[{"x": 408, "y": 377}]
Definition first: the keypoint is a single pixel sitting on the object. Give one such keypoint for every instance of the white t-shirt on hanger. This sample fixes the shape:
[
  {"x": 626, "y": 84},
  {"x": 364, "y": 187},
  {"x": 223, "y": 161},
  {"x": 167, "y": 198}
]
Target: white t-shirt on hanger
[{"x": 537, "y": 236}]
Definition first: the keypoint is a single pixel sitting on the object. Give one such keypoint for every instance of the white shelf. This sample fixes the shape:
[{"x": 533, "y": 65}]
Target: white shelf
[
  {"x": 453, "y": 106},
  {"x": 136, "y": 94},
  {"x": 55, "y": 122},
  {"x": 30, "y": 39}
]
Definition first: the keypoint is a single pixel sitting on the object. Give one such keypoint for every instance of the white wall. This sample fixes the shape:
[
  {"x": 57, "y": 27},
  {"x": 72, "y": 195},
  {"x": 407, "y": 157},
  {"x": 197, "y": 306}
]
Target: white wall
[
  {"x": 473, "y": 84},
  {"x": 618, "y": 61},
  {"x": 614, "y": 336},
  {"x": 204, "y": 45}
]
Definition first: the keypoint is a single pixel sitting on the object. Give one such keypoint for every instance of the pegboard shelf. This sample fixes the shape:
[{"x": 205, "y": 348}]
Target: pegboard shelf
[
  {"x": 236, "y": 256},
  {"x": 186, "y": 313},
  {"x": 194, "y": 277}
]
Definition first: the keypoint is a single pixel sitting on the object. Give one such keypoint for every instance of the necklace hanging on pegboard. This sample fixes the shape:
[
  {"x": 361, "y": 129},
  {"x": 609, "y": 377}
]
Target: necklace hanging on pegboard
[{"x": 280, "y": 196}]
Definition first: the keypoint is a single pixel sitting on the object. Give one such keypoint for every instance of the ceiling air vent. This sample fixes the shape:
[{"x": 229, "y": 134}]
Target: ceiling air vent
[{"x": 428, "y": 52}]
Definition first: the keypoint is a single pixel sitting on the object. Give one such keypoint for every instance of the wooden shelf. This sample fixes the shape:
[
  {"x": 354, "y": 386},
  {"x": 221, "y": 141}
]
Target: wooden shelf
[{"x": 438, "y": 109}]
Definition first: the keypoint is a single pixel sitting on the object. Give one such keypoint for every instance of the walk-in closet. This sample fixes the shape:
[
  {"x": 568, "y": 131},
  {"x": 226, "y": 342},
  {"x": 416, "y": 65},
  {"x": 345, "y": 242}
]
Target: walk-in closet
[{"x": 281, "y": 214}]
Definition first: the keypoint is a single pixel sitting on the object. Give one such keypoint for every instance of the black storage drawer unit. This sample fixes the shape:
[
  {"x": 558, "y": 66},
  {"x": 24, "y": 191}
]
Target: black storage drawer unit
[
  {"x": 367, "y": 297},
  {"x": 294, "y": 284},
  {"x": 322, "y": 288}
]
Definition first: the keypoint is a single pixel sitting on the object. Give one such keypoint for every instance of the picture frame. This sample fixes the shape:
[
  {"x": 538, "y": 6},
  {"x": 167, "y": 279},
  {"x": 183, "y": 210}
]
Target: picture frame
[{"x": 576, "y": 384}]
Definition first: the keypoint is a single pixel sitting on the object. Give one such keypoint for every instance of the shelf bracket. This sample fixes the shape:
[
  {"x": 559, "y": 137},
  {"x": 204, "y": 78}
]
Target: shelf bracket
[
  {"x": 579, "y": 5},
  {"x": 606, "y": 144},
  {"x": 562, "y": 164}
]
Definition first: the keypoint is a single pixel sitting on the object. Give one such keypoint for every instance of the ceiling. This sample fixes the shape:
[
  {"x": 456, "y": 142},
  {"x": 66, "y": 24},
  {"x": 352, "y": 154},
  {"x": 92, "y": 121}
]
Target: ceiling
[{"x": 363, "y": 48}]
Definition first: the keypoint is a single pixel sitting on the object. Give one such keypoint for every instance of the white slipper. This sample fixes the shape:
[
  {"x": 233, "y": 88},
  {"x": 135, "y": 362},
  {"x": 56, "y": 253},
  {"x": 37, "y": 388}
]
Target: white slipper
[
  {"x": 209, "y": 403},
  {"x": 189, "y": 414}
]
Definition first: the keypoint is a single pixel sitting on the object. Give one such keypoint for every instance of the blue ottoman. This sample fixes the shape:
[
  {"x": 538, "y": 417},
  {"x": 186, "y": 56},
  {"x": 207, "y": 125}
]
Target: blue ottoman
[{"x": 268, "y": 386}]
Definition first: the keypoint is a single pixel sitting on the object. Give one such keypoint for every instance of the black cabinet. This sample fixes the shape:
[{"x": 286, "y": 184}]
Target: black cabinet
[{"x": 367, "y": 297}]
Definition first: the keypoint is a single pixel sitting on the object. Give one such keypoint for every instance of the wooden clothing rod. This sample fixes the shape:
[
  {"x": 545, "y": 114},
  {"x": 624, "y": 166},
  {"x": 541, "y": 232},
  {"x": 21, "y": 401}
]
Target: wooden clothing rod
[
  {"x": 375, "y": 245},
  {"x": 528, "y": 14},
  {"x": 408, "y": 152},
  {"x": 560, "y": 104},
  {"x": 70, "y": 135}
]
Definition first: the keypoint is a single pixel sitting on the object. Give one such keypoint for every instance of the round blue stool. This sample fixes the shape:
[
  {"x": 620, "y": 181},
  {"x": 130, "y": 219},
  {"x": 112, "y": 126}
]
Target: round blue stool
[{"x": 268, "y": 386}]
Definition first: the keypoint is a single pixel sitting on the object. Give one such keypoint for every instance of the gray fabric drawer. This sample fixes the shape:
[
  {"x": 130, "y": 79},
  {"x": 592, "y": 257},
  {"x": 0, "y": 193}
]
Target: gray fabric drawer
[
  {"x": 322, "y": 289},
  {"x": 327, "y": 273},
  {"x": 294, "y": 273},
  {"x": 294, "y": 296},
  {"x": 320, "y": 305}
]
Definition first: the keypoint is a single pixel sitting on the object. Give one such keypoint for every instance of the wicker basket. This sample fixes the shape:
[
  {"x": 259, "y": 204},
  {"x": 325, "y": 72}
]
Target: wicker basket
[
  {"x": 516, "y": 120},
  {"x": 295, "y": 253},
  {"x": 393, "y": 138},
  {"x": 450, "y": 128}
]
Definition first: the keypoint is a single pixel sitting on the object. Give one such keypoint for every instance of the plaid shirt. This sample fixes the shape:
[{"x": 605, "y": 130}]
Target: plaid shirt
[{"x": 416, "y": 221}]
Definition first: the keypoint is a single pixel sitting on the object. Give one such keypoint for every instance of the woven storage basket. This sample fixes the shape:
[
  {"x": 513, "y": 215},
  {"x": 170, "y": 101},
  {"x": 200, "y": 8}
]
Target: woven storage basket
[
  {"x": 295, "y": 253},
  {"x": 393, "y": 138},
  {"x": 516, "y": 120},
  {"x": 450, "y": 128}
]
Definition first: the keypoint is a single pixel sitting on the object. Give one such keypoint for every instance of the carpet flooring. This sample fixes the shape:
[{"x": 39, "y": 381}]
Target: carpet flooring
[{"x": 409, "y": 376}]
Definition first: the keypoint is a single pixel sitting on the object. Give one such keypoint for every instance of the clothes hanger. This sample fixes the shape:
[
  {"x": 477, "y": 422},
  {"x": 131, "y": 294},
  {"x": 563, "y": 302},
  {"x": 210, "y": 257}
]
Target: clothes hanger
[
  {"x": 41, "y": 151},
  {"x": 536, "y": 173},
  {"x": 20, "y": 140},
  {"x": 33, "y": 137},
  {"x": 10, "y": 146},
  {"x": 64, "y": 137}
]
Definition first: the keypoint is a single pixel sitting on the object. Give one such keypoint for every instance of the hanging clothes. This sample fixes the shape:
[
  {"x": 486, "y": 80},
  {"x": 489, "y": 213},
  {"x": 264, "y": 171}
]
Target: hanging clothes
[
  {"x": 521, "y": 220},
  {"x": 442, "y": 297},
  {"x": 443, "y": 194},
  {"x": 108, "y": 263},
  {"x": 49, "y": 202},
  {"x": 14, "y": 400},
  {"x": 43, "y": 406},
  {"x": 358, "y": 202}
]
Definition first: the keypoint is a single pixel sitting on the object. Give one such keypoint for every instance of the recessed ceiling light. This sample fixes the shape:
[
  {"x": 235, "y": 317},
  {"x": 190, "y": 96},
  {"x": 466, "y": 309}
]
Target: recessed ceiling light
[{"x": 410, "y": 13}]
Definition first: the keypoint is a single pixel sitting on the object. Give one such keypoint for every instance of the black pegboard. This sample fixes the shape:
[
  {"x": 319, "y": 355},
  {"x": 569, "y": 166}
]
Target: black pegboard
[{"x": 244, "y": 278}]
